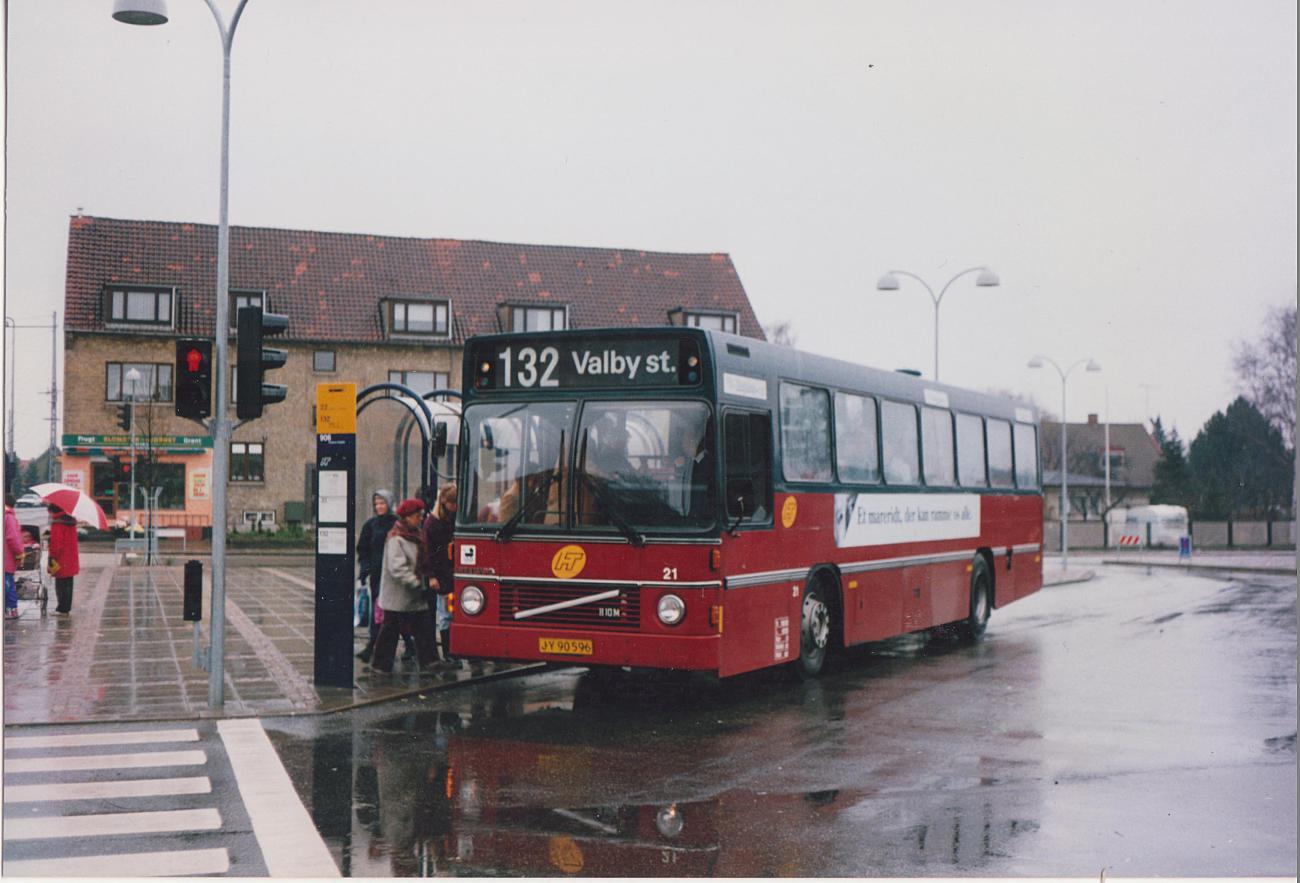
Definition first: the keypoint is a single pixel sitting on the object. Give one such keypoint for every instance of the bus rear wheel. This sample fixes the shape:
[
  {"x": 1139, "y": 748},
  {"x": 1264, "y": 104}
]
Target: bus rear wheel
[
  {"x": 814, "y": 631},
  {"x": 981, "y": 602}
]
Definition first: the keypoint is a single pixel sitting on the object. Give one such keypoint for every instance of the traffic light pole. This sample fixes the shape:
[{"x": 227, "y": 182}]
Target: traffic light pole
[{"x": 130, "y": 527}]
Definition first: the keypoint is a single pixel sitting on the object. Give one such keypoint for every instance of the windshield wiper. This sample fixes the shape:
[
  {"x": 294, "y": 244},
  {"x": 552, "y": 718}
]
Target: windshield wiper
[{"x": 607, "y": 505}]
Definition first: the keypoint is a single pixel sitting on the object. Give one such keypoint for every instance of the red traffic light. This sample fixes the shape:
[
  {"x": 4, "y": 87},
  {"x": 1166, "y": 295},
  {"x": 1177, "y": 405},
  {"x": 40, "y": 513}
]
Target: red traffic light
[{"x": 193, "y": 360}]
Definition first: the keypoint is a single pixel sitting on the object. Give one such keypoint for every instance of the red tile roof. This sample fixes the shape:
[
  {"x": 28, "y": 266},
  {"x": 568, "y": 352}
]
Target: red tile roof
[{"x": 331, "y": 284}]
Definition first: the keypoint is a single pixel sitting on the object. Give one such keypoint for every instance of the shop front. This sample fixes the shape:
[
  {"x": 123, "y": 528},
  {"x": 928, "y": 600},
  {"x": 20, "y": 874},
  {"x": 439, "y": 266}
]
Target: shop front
[{"x": 172, "y": 478}]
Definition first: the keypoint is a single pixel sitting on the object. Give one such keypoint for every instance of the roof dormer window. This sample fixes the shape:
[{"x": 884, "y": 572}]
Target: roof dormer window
[
  {"x": 419, "y": 318},
  {"x": 140, "y": 305}
]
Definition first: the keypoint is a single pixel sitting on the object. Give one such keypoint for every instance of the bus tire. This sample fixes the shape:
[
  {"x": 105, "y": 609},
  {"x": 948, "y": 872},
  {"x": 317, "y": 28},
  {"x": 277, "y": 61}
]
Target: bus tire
[
  {"x": 814, "y": 630},
  {"x": 981, "y": 602}
]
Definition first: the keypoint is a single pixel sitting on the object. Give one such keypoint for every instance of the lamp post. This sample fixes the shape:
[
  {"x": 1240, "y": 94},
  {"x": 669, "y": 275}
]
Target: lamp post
[
  {"x": 1038, "y": 362},
  {"x": 132, "y": 379},
  {"x": 154, "y": 12},
  {"x": 889, "y": 282}
]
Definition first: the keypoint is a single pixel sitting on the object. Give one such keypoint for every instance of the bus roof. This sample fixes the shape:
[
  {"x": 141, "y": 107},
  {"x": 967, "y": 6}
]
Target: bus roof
[{"x": 748, "y": 356}]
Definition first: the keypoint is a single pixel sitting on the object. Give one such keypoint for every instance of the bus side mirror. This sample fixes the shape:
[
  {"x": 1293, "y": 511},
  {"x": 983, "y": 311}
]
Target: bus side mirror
[
  {"x": 439, "y": 440},
  {"x": 740, "y": 498}
]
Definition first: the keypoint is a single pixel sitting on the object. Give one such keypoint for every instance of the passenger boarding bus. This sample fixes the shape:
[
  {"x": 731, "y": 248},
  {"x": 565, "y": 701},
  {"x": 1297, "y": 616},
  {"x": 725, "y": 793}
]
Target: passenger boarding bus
[{"x": 688, "y": 499}]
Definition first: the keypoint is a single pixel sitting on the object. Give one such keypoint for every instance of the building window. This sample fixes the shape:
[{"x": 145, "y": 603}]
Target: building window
[
  {"x": 155, "y": 384},
  {"x": 241, "y": 299},
  {"x": 322, "y": 361},
  {"x": 246, "y": 461},
  {"x": 140, "y": 306},
  {"x": 428, "y": 318},
  {"x": 538, "y": 319},
  {"x": 714, "y": 321},
  {"x": 421, "y": 381}
]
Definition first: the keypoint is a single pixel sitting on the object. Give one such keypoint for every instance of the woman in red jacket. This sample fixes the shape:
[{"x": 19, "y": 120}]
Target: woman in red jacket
[{"x": 65, "y": 562}]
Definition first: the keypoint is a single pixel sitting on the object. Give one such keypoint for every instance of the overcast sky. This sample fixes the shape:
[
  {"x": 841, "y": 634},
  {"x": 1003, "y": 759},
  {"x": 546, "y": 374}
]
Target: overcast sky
[{"x": 1127, "y": 168}]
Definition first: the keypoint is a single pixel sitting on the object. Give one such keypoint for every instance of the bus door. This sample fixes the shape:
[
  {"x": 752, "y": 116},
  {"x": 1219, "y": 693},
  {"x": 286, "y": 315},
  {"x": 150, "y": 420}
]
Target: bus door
[{"x": 754, "y": 608}]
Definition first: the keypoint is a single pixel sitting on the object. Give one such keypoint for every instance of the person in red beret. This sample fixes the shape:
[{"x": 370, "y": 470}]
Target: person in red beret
[{"x": 401, "y": 591}]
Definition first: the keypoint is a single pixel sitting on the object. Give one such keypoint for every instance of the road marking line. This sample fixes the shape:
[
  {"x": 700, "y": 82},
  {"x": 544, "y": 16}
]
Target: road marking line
[
  {"x": 139, "y": 864},
  {"x": 78, "y": 740},
  {"x": 61, "y": 763},
  {"x": 290, "y": 844},
  {"x": 112, "y": 824},
  {"x": 107, "y": 790}
]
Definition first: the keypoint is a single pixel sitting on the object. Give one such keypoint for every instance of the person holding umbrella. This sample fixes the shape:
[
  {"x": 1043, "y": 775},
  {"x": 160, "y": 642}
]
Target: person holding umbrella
[
  {"x": 65, "y": 560},
  {"x": 68, "y": 506}
]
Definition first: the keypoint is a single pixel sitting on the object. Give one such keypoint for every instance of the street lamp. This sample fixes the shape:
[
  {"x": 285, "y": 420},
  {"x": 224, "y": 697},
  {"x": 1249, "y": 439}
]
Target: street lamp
[
  {"x": 132, "y": 379},
  {"x": 1091, "y": 365},
  {"x": 154, "y": 12},
  {"x": 889, "y": 282}
]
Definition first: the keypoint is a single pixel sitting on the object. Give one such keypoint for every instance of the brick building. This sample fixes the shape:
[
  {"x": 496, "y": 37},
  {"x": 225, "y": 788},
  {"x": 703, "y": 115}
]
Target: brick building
[{"x": 361, "y": 308}]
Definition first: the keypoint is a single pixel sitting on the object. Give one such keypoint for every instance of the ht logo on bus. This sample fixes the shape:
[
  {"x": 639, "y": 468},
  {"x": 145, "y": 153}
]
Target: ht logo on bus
[{"x": 568, "y": 562}]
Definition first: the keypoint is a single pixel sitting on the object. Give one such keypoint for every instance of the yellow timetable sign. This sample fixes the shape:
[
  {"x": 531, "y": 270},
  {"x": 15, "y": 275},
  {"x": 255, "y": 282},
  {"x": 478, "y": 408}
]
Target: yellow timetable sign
[{"x": 336, "y": 408}]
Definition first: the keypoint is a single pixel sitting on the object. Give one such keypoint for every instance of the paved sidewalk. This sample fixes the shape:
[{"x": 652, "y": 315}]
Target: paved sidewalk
[
  {"x": 124, "y": 653},
  {"x": 1258, "y": 562}
]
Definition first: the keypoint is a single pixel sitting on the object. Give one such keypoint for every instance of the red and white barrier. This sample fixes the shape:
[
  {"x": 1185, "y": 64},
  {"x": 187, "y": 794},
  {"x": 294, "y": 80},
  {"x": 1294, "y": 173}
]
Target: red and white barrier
[{"x": 1128, "y": 540}]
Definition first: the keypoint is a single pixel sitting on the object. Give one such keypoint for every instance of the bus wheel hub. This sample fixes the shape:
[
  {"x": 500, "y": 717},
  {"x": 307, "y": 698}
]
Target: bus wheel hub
[{"x": 817, "y": 621}]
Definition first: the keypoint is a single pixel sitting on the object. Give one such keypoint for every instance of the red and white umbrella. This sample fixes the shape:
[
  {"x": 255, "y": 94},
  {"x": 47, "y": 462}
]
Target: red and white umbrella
[{"x": 72, "y": 501}]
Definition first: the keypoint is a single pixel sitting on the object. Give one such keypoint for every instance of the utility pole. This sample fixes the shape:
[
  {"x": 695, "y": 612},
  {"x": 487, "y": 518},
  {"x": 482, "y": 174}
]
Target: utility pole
[{"x": 54, "y": 395}]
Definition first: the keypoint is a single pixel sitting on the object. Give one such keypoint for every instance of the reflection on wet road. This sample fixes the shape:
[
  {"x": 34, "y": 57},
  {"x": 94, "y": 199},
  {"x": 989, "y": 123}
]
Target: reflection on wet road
[{"x": 1140, "y": 724}]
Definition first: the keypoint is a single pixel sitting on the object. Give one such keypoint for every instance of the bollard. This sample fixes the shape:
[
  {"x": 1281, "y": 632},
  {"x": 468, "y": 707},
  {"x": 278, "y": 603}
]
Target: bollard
[{"x": 193, "y": 598}]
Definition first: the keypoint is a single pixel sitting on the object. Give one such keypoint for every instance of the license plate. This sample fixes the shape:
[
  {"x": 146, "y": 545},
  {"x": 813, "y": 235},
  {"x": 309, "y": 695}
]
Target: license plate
[{"x": 564, "y": 646}]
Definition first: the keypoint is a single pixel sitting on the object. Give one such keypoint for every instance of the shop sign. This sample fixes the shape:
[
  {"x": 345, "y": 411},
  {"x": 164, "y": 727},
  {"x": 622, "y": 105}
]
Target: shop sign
[{"x": 74, "y": 443}]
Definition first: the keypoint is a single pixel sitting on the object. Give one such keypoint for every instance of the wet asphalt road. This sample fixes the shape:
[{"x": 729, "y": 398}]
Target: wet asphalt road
[{"x": 1138, "y": 724}]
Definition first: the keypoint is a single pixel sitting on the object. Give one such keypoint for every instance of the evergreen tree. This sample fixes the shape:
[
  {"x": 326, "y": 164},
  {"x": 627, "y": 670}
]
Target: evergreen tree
[
  {"x": 1173, "y": 477},
  {"x": 1240, "y": 465}
]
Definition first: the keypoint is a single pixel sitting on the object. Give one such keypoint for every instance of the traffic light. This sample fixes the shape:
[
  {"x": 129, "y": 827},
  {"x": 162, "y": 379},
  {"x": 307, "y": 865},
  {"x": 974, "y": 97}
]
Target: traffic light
[
  {"x": 193, "y": 378},
  {"x": 124, "y": 417},
  {"x": 251, "y": 394},
  {"x": 121, "y": 468}
]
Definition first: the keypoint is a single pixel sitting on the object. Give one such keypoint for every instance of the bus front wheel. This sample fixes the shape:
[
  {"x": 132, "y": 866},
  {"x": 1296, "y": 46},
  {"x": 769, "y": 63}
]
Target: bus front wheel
[
  {"x": 814, "y": 631},
  {"x": 981, "y": 601}
]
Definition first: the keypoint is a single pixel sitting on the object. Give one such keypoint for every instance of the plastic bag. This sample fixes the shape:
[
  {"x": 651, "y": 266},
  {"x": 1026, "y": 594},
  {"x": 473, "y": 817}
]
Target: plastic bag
[{"x": 361, "y": 609}]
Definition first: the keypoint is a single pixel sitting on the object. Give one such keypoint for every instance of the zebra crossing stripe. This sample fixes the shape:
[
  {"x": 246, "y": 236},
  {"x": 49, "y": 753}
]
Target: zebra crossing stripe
[
  {"x": 112, "y": 824},
  {"x": 139, "y": 864},
  {"x": 80, "y": 740},
  {"x": 63, "y": 763},
  {"x": 107, "y": 790},
  {"x": 290, "y": 844}
]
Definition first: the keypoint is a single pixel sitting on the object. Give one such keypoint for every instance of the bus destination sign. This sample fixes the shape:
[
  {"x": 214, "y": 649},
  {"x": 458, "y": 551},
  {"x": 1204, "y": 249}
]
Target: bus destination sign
[{"x": 586, "y": 363}]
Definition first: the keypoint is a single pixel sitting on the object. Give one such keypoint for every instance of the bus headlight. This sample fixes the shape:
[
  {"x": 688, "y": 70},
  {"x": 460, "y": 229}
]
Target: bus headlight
[
  {"x": 671, "y": 609},
  {"x": 472, "y": 600}
]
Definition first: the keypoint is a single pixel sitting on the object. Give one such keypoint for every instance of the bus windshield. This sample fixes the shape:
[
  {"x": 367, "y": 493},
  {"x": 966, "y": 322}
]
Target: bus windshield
[{"x": 639, "y": 465}]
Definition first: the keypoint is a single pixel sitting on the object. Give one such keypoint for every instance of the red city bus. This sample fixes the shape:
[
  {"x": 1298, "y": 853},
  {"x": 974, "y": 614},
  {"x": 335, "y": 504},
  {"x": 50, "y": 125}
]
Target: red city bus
[{"x": 689, "y": 499}]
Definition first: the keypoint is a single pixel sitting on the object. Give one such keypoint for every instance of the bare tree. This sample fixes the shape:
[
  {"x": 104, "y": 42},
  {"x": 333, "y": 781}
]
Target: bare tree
[
  {"x": 781, "y": 333},
  {"x": 1266, "y": 371}
]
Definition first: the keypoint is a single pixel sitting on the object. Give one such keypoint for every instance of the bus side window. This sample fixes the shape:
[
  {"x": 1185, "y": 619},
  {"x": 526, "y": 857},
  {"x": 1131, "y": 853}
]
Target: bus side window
[
  {"x": 999, "y": 440},
  {"x": 970, "y": 451},
  {"x": 898, "y": 431},
  {"x": 747, "y": 437},
  {"x": 1026, "y": 447}
]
